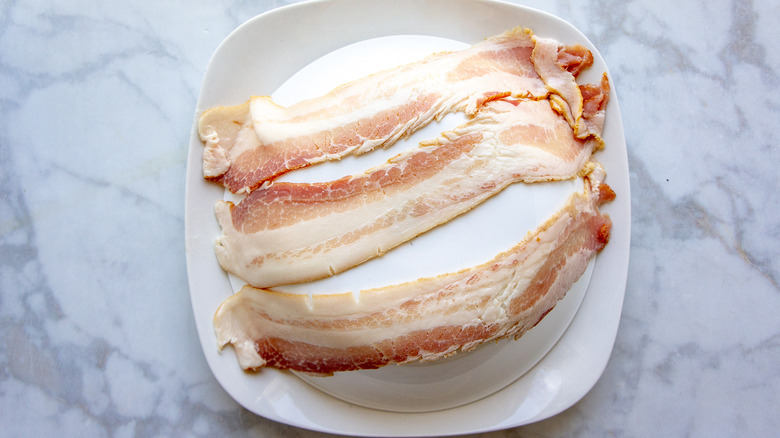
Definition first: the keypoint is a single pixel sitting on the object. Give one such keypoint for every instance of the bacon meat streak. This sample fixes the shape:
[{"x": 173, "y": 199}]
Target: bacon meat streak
[
  {"x": 285, "y": 233},
  {"x": 424, "y": 319},
  {"x": 249, "y": 144}
]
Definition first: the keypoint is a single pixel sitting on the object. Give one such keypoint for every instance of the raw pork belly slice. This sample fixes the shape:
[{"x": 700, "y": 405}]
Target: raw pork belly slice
[
  {"x": 285, "y": 233},
  {"x": 424, "y": 319},
  {"x": 249, "y": 144}
]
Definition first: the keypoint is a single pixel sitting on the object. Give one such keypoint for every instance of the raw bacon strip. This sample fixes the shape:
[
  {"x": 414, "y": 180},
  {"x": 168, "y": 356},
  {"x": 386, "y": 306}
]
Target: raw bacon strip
[
  {"x": 375, "y": 111},
  {"x": 425, "y": 319},
  {"x": 286, "y": 233}
]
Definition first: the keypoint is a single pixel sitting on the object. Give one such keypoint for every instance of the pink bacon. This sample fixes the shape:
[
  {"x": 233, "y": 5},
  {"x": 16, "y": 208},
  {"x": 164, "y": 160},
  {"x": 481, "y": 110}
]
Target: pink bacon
[
  {"x": 249, "y": 144},
  {"x": 285, "y": 233},
  {"x": 425, "y": 319}
]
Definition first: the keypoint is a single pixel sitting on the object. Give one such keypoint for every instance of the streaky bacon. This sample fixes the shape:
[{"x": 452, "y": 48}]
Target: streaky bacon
[
  {"x": 249, "y": 144},
  {"x": 424, "y": 319},
  {"x": 285, "y": 233}
]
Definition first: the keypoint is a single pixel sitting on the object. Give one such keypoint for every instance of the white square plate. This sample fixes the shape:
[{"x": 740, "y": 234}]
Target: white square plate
[{"x": 498, "y": 386}]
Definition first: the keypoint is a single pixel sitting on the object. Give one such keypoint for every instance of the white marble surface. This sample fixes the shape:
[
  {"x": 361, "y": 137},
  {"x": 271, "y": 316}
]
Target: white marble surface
[{"x": 96, "y": 330}]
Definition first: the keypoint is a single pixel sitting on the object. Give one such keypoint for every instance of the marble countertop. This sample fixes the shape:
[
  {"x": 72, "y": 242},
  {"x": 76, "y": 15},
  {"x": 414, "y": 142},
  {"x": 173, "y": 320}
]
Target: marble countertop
[{"x": 97, "y": 336}]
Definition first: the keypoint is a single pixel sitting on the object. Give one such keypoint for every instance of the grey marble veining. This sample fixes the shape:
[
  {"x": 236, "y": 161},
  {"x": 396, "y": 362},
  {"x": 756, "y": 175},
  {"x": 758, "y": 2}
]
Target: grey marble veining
[{"x": 96, "y": 330}]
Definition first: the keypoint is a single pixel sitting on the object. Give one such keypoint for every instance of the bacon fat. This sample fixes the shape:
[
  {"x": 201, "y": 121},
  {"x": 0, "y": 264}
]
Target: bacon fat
[
  {"x": 424, "y": 319},
  {"x": 249, "y": 144},
  {"x": 285, "y": 233}
]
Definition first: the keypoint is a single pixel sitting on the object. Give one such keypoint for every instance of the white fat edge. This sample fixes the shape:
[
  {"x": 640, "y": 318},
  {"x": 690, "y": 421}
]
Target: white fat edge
[
  {"x": 215, "y": 157},
  {"x": 246, "y": 140},
  {"x": 270, "y": 131},
  {"x": 246, "y": 353}
]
